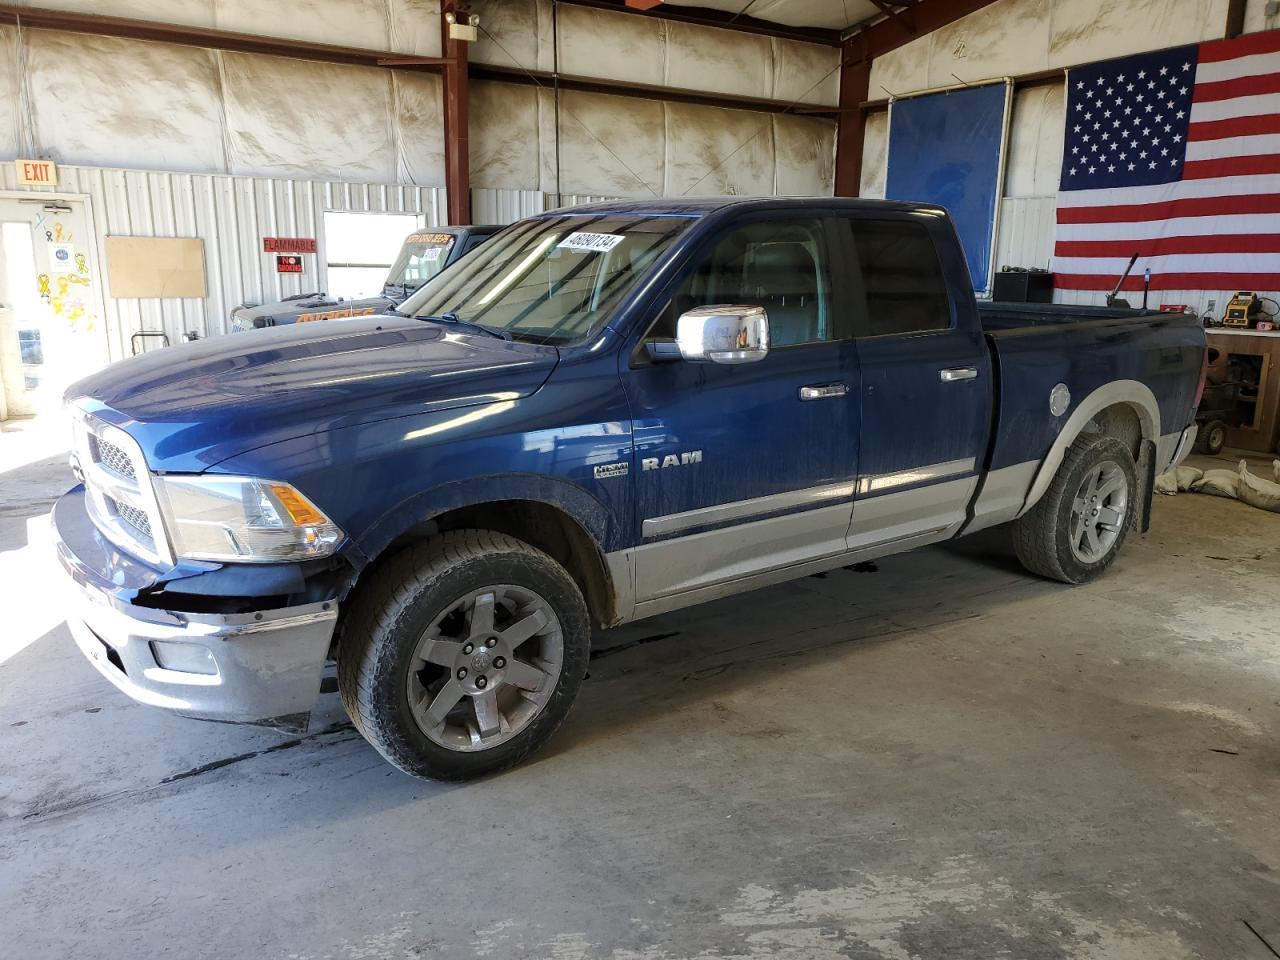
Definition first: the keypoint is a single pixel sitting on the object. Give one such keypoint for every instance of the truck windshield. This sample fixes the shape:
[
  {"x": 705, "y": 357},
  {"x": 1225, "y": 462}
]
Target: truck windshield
[
  {"x": 550, "y": 280},
  {"x": 421, "y": 258}
]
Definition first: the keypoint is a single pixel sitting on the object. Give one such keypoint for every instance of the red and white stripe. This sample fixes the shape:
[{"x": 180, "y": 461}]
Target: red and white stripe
[{"x": 1218, "y": 228}]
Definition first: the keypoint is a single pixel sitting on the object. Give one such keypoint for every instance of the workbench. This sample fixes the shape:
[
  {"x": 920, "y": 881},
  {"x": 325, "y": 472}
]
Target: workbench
[{"x": 1260, "y": 427}]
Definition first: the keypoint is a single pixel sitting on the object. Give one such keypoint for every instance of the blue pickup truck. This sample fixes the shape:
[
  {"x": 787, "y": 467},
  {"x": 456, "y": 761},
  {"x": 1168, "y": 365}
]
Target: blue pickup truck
[{"x": 605, "y": 413}]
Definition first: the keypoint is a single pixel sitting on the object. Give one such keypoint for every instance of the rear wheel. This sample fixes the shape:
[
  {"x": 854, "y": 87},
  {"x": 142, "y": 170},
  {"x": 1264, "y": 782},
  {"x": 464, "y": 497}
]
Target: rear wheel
[
  {"x": 1079, "y": 525},
  {"x": 465, "y": 655}
]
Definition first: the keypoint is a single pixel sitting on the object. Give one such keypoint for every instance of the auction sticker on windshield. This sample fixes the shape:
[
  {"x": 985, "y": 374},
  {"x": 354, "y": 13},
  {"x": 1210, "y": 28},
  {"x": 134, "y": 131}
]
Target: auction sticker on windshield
[{"x": 591, "y": 242}]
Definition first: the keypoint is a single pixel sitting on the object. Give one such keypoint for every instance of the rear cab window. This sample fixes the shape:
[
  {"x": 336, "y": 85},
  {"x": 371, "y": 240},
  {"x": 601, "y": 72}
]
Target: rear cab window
[{"x": 902, "y": 287}]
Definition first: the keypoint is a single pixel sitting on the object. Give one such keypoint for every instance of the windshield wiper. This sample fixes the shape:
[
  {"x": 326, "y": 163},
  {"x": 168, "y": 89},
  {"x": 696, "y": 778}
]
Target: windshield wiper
[{"x": 455, "y": 320}]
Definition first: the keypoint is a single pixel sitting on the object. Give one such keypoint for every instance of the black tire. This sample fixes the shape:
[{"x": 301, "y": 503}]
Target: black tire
[
  {"x": 1042, "y": 536},
  {"x": 388, "y": 617},
  {"x": 1211, "y": 438}
]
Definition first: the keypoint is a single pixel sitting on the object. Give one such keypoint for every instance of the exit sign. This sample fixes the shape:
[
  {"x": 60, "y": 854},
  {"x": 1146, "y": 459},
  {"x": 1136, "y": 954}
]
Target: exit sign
[{"x": 37, "y": 173}]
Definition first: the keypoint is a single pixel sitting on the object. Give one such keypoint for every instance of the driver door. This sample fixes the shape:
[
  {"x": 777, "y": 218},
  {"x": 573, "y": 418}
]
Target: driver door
[{"x": 747, "y": 468}]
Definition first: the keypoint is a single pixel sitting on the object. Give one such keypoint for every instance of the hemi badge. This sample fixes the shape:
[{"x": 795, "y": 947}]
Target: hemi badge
[{"x": 607, "y": 470}]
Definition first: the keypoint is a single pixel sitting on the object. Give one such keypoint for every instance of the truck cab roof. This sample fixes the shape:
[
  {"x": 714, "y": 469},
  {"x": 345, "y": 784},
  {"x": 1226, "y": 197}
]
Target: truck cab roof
[{"x": 702, "y": 206}]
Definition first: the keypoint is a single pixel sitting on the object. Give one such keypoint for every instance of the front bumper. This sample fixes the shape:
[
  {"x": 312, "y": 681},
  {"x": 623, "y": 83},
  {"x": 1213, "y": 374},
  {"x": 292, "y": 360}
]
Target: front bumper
[{"x": 261, "y": 668}]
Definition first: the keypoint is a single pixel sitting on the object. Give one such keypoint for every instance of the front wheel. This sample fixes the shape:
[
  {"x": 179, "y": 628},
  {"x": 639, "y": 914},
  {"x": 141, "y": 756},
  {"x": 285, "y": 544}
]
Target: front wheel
[
  {"x": 1079, "y": 525},
  {"x": 464, "y": 655}
]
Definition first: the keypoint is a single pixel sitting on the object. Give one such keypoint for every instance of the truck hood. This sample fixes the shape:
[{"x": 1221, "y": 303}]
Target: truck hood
[
  {"x": 194, "y": 405},
  {"x": 288, "y": 311}
]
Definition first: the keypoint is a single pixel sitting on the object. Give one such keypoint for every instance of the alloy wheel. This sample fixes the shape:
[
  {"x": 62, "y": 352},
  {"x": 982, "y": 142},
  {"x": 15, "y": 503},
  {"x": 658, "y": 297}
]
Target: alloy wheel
[
  {"x": 1099, "y": 511},
  {"x": 485, "y": 667}
]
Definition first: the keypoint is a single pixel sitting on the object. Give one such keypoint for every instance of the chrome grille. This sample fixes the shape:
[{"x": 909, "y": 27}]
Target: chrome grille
[
  {"x": 113, "y": 458},
  {"x": 118, "y": 491},
  {"x": 133, "y": 516}
]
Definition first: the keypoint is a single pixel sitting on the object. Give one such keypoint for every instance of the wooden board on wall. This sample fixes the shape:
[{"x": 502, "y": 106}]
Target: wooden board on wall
[{"x": 146, "y": 267}]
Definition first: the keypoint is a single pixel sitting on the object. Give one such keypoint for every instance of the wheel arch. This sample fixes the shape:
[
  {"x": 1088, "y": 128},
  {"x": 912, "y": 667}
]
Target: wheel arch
[
  {"x": 1124, "y": 409},
  {"x": 557, "y": 517}
]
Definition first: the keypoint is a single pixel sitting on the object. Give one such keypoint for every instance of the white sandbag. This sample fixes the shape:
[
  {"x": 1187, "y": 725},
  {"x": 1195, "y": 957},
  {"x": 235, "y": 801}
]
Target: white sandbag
[
  {"x": 1257, "y": 492},
  {"x": 1176, "y": 479},
  {"x": 1186, "y": 476},
  {"x": 1275, "y": 470},
  {"x": 1218, "y": 483}
]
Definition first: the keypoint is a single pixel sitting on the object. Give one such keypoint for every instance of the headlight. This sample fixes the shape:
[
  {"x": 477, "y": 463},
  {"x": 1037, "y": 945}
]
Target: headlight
[{"x": 242, "y": 519}]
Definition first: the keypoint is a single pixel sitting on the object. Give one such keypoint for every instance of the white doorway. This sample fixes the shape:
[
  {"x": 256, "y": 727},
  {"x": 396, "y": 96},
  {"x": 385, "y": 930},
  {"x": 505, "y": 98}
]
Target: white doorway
[{"x": 51, "y": 323}]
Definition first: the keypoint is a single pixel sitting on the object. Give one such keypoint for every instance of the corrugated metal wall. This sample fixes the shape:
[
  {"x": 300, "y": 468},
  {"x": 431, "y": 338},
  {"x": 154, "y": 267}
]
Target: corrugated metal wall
[
  {"x": 1026, "y": 232},
  {"x": 231, "y": 215}
]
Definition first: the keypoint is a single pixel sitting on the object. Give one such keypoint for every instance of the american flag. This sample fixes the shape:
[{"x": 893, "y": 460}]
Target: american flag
[{"x": 1174, "y": 156}]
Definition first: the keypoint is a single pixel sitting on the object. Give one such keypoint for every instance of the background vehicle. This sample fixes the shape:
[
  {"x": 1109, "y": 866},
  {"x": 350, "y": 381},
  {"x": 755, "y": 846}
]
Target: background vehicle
[
  {"x": 606, "y": 413},
  {"x": 425, "y": 253}
]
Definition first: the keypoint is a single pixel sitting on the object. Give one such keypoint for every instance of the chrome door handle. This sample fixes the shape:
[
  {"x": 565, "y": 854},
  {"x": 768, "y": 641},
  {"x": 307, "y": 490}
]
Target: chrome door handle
[
  {"x": 955, "y": 374},
  {"x": 823, "y": 391}
]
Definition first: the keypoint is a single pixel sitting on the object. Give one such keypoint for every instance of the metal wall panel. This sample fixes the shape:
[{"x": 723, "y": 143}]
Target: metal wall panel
[
  {"x": 505, "y": 206},
  {"x": 1026, "y": 231},
  {"x": 231, "y": 215}
]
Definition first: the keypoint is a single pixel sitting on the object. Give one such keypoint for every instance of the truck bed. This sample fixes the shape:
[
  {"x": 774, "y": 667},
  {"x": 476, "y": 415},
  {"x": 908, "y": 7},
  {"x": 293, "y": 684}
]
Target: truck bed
[
  {"x": 1035, "y": 347},
  {"x": 1009, "y": 317}
]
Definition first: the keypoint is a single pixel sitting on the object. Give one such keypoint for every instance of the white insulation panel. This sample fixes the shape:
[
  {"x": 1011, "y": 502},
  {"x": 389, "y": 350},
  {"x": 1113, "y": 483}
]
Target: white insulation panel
[
  {"x": 650, "y": 50},
  {"x": 875, "y": 155},
  {"x": 622, "y": 146},
  {"x": 402, "y": 26},
  {"x": 1015, "y": 37},
  {"x": 207, "y": 111}
]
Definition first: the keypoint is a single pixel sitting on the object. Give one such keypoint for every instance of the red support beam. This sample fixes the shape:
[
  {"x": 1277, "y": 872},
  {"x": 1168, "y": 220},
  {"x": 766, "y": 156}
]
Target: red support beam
[
  {"x": 457, "y": 157},
  {"x": 859, "y": 50},
  {"x": 851, "y": 127},
  {"x": 1235, "y": 19}
]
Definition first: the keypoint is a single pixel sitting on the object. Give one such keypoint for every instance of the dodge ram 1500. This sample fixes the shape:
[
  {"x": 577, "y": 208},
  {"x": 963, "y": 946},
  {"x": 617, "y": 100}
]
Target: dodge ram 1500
[{"x": 604, "y": 413}]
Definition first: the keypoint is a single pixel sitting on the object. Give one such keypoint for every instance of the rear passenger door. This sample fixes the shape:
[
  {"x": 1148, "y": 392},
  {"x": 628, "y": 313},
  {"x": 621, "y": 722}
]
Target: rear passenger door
[{"x": 926, "y": 379}]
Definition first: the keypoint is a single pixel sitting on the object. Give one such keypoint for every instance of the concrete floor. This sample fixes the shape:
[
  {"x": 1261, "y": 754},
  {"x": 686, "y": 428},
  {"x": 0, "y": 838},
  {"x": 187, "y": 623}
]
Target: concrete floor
[{"x": 939, "y": 758}]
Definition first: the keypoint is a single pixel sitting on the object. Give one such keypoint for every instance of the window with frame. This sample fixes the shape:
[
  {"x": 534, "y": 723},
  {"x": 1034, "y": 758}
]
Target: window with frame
[
  {"x": 780, "y": 265},
  {"x": 361, "y": 248},
  {"x": 901, "y": 277}
]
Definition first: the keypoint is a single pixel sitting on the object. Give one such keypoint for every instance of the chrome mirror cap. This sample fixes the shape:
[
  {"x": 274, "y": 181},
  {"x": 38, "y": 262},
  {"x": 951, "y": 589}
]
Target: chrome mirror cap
[{"x": 724, "y": 333}]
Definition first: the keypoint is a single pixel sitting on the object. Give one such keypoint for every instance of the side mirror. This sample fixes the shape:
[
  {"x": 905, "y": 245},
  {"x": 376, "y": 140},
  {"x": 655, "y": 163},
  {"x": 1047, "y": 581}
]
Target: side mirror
[{"x": 724, "y": 333}]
